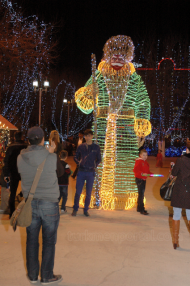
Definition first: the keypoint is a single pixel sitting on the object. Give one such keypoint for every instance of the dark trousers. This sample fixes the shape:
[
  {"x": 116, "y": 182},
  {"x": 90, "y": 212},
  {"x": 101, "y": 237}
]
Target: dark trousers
[
  {"x": 81, "y": 178},
  {"x": 141, "y": 184},
  {"x": 45, "y": 214},
  {"x": 63, "y": 194},
  {"x": 75, "y": 172},
  {"x": 14, "y": 181}
]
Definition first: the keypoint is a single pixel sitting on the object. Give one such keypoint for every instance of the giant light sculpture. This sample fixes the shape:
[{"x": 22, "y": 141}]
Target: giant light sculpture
[{"x": 123, "y": 113}]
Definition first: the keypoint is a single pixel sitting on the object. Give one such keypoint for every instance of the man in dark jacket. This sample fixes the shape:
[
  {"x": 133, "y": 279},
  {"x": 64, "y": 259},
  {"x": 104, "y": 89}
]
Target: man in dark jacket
[
  {"x": 10, "y": 167},
  {"x": 87, "y": 157},
  {"x": 45, "y": 206}
]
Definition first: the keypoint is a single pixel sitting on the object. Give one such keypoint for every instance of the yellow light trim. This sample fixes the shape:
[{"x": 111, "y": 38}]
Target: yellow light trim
[
  {"x": 128, "y": 67},
  {"x": 142, "y": 127}
]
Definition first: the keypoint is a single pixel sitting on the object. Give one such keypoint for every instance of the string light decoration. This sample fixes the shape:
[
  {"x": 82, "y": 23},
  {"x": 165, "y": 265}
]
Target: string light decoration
[
  {"x": 5, "y": 127},
  {"x": 77, "y": 119},
  {"x": 122, "y": 105},
  {"x": 168, "y": 78},
  {"x": 26, "y": 45}
]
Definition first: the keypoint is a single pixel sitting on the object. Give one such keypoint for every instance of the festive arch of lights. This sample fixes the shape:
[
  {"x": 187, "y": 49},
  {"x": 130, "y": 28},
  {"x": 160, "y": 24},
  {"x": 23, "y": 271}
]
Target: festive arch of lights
[{"x": 123, "y": 113}]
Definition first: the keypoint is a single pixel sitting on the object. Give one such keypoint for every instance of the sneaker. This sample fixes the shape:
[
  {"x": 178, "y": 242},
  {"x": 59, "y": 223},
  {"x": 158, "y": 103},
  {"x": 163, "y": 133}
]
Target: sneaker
[
  {"x": 63, "y": 211},
  {"x": 86, "y": 213},
  {"x": 144, "y": 213},
  {"x": 56, "y": 278},
  {"x": 33, "y": 281},
  {"x": 74, "y": 213}
]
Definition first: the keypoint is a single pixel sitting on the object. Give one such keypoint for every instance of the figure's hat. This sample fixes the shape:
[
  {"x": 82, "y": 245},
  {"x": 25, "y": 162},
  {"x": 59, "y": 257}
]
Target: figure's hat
[{"x": 119, "y": 45}]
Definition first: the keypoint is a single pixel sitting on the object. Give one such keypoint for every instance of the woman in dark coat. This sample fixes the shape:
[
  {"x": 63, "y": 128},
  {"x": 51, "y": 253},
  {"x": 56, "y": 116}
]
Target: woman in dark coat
[{"x": 181, "y": 193}]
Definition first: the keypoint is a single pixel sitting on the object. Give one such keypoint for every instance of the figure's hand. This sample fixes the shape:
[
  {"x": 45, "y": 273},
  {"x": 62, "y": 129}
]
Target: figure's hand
[
  {"x": 142, "y": 127},
  {"x": 84, "y": 98}
]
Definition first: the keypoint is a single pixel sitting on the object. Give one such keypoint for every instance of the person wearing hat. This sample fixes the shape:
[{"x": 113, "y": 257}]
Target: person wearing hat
[
  {"x": 10, "y": 168},
  {"x": 45, "y": 207},
  {"x": 180, "y": 198}
]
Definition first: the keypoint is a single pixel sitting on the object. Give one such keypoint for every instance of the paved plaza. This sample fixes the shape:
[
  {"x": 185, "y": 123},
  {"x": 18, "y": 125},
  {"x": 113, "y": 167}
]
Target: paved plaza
[{"x": 109, "y": 248}]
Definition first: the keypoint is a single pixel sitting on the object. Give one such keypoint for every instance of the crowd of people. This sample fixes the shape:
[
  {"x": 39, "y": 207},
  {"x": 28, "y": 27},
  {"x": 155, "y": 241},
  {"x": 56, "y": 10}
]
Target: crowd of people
[{"x": 21, "y": 163}]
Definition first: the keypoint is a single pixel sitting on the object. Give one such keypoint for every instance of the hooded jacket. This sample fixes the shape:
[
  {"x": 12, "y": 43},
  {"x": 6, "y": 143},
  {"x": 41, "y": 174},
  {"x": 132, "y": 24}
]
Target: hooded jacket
[
  {"x": 140, "y": 167},
  {"x": 181, "y": 191},
  {"x": 28, "y": 162}
]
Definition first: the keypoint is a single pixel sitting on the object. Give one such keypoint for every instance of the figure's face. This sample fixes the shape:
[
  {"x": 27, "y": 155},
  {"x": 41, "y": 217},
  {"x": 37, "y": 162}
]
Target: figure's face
[{"x": 117, "y": 62}]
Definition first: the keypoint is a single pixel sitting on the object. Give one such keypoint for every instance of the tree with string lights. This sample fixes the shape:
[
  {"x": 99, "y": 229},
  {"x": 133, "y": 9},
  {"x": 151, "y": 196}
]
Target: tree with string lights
[{"x": 26, "y": 52}]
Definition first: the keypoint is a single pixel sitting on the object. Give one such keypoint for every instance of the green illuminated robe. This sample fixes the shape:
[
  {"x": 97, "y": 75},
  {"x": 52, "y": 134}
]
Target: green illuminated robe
[{"x": 116, "y": 137}]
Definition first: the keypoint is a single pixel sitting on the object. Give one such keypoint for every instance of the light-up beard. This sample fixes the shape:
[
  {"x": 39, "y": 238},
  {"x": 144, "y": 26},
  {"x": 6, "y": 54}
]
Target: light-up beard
[{"x": 117, "y": 62}]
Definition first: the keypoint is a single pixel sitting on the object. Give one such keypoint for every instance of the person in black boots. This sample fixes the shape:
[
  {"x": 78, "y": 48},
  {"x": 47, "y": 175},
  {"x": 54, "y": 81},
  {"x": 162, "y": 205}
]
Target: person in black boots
[
  {"x": 10, "y": 167},
  {"x": 141, "y": 170},
  {"x": 87, "y": 157},
  {"x": 63, "y": 181},
  {"x": 180, "y": 198}
]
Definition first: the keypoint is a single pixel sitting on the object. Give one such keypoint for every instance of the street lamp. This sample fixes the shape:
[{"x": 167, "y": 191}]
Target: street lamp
[{"x": 35, "y": 85}]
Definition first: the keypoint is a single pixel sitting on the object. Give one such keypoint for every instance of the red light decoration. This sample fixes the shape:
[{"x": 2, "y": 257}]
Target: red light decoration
[{"x": 164, "y": 59}]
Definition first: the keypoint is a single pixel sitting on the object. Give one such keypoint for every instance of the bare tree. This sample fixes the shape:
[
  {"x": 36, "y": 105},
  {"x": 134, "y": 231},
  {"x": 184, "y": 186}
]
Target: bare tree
[{"x": 27, "y": 48}]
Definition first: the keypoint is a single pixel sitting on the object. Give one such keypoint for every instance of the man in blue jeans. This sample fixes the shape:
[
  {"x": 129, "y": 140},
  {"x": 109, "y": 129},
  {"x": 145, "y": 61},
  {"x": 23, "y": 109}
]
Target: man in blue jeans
[
  {"x": 45, "y": 208},
  {"x": 87, "y": 157}
]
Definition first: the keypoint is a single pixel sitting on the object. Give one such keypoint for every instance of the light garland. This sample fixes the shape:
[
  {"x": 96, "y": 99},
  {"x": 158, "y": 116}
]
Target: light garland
[{"x": 172, "y": 88}]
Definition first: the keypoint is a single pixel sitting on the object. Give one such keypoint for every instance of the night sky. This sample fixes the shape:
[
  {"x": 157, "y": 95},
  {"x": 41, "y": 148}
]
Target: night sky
[{"x": 85, "y": 26}]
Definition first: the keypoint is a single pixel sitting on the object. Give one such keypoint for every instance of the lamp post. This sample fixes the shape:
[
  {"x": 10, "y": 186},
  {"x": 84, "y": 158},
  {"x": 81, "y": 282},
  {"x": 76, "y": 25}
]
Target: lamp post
[
  {"x": 68, "y": 102},
  {"x": 35, "y": 85}
]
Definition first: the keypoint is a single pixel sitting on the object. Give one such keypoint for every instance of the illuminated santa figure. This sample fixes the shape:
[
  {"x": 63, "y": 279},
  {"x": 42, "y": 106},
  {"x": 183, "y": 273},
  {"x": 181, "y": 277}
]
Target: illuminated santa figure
[{"x": 123, "y": 113}]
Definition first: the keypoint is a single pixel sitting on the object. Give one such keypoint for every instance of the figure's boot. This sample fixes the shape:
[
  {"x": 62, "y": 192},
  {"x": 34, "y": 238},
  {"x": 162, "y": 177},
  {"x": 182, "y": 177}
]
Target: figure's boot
[{"x": 175, "y": 231}]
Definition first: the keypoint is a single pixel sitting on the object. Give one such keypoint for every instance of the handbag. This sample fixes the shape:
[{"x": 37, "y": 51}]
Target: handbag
[
  {"x": 167, "y": 188},
  {"x": 22, "y": 216}
]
